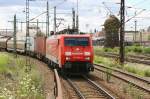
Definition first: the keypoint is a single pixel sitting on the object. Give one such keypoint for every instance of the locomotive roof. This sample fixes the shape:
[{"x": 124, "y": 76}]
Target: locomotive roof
[{"x": 68, "y": 35}]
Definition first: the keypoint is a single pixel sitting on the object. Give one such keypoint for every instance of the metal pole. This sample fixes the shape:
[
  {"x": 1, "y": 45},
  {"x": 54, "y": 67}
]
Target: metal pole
[
  {"x": 14, "y": 35},
  {"x": 73, "y": 18},
  {"x": 122, "y": 19},
  {"x": 55, "y": 20},
  {"x": 37, "y": 27},
  {"x": 135, "y": 30},
  {"x": 47, "y": 20},
  {"x": 27, "y": 18},
  {"x": 77, "y": 17},
  {"x": 141, "y": 37},
  {"x": 27, "y": 48},
  {"x": 21, "y": 26}
]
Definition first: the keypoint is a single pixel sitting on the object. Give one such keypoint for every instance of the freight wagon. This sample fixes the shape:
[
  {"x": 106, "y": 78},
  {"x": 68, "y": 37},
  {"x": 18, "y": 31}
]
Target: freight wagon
[
  {"x": 3, "y": 42},
  {"x": 40, "y": 47},
  {"x": 21, "y": 44}
]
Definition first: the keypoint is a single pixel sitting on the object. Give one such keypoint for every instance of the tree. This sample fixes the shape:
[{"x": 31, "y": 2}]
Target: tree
[
  {"x": 112, "y": 25},
  {"x": 40, "y": 34}
]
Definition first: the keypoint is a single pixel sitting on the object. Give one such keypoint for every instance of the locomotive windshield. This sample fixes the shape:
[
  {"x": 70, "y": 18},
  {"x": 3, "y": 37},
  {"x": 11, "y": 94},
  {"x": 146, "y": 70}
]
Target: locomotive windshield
[{"x": 76, "y": 41}]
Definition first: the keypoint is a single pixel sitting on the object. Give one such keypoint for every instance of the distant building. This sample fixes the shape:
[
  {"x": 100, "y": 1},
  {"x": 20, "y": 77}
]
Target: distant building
[
  {"x": 138, "y": 37},
  {"x": 9, "y": 32},
  {"x": 6, "y": 32},
  {"x": 98, "y": 38},
  {"x": 130, "y": 36}
]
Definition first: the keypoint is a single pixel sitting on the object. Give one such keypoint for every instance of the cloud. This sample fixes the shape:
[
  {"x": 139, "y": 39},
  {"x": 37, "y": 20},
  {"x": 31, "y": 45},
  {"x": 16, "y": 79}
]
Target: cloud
[
  {"x": 91, "y": 12},
  {"x": 9, "y": 3}
]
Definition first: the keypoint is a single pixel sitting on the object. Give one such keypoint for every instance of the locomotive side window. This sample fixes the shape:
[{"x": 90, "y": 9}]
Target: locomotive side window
[{"x": 74, "y": 41}]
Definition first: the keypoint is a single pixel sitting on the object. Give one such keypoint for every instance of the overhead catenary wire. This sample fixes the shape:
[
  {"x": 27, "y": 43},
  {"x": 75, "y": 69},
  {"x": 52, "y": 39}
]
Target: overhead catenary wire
[
  {"x": 135, "y": 15},
  {"x": 108, "y": 8},
  {"x": 46, "y": 11}
]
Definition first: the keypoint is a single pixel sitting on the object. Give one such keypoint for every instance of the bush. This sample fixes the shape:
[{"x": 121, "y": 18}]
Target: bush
[
  {"x": 147, "y": 73},
  {"x": 128, "y": 49},
  {"x": 108, "y": 50},
  {"x": 138, "y": 50}
]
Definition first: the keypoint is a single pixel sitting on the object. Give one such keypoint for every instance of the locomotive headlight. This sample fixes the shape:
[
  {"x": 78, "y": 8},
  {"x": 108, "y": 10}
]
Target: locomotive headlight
[
  {"x": 87, "y": 53},
  {"x": 67, "y": 58},
  {"x": 68, "y": 53},
  {"x": 87, "y": 58}
]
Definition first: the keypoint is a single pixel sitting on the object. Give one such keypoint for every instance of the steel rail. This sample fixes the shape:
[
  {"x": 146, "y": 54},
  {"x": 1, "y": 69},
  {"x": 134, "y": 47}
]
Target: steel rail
[
  {"x": 75, "y": 88},
  {"x": 92, "y": 83},
  {"x": 125, "y": 73},
  {"x": 147, "y": 62},
  {"x": 125, "y": 80},
  {"x": 100, "y": 89},
  {"x": 134, "y": 56}
]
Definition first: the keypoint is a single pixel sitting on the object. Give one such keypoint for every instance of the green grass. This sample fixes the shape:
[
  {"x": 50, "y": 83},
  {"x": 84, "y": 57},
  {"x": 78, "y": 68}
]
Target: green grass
[
  {"x": 24, "y": 85},
  {"x": 98, "y": 49},
  {"x": 128, "y": 49},
  {"x": 3, "y": 63},
  {"x": 146, "y": 50},
  {"x": 132, "y": 68}
]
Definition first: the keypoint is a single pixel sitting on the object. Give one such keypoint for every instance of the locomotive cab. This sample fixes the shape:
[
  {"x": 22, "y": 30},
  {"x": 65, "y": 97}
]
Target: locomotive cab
[
  {"x": 70, "y": 53},
  {"x": 78, "y": 52}
]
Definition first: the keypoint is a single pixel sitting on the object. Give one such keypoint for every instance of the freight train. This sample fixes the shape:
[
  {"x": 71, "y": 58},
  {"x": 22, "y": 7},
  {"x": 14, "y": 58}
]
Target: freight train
[{"x": 68, "y": 53}]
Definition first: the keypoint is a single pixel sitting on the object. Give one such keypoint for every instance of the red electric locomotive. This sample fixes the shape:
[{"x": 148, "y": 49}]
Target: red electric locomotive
[{"x": 71, "y": 53}]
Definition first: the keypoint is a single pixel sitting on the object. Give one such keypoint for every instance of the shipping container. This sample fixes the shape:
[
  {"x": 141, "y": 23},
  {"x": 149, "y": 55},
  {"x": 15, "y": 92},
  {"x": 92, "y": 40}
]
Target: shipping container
[
  {"x": 30, "y": 44},
  {"x": 40, "y": 46}
]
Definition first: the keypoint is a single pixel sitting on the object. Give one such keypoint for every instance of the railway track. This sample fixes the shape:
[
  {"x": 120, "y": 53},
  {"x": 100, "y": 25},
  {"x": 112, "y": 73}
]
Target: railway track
[
  {"x": 136, "y": 81},
  {"x": 129, "y": 58},
  {"x": 88, "y": 89},
  {"x": 145, "y": 57}
]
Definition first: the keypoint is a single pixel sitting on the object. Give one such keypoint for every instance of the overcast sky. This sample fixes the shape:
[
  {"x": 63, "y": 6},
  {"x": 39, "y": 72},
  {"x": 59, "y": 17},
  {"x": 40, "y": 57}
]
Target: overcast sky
[{"x": 92, "y": 13}]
